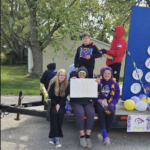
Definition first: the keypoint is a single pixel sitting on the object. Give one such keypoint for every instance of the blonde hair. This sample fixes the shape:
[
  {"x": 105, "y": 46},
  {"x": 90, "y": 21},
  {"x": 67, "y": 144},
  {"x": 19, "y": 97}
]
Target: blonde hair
[{"x": 63, "y": 85}]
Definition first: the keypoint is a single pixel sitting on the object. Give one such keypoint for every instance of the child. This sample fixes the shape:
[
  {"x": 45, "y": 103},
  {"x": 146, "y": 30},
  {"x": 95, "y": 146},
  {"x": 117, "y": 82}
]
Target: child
[
  {"x": 86, "y": 54},
  {"x": 48, "y": 74},
  {"x": 71, "y": 69},
  {"x": 56, "y": 91},
  {"x": 105, "y": 103},
  {"x": 81, "y": 106}
]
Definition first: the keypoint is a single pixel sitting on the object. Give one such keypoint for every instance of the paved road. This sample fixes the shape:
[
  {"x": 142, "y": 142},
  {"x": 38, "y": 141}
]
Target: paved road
[{"x": 31, "y": 133}]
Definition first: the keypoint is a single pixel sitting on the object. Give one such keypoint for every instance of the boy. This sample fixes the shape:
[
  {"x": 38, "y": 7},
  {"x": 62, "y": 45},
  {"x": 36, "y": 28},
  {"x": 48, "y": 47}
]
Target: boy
[
  {"x": 117, "y": 49},
  {"x": 86, "y": 54}
]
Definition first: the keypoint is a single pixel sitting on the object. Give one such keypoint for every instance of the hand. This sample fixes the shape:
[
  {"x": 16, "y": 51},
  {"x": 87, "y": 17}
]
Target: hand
[
  {"x": 97, "y": 80},
  {"x": 73, "y": 77},
  {"x": 76, "y": 69},
  {"x": 110, "y": 107},
  {"x": 99, "y": 100},
  {"x": 57, "y": 107},
  {"x": 103, "y": 50},
  {"x": 87, "y": 57}
]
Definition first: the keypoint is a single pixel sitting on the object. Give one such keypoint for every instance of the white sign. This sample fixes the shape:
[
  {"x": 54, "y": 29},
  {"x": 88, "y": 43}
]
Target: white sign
[
  {"x": 138, "y": 123},
  {"x": 148, "y": 50},
  {"x": 83, "y": 88},
  {"x": 135, "y": 88},
  {"x": 147, "y": 63},
  {"x": 147, "y": 77},
  {"x": 135, "y": 75}
]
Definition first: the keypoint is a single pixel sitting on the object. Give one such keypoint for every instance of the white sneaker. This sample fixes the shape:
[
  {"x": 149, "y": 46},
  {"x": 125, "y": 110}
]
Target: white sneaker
[
  {"x": 57, "y": 142},
  {"x": 52, "y": 141}
]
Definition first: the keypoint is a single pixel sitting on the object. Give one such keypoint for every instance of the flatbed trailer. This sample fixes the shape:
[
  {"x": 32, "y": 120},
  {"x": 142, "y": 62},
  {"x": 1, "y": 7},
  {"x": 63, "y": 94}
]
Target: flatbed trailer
[{"x": 120, "y": 120}]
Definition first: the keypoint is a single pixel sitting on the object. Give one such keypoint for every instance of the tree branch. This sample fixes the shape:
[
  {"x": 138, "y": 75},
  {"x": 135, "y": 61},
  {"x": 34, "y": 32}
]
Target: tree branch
[
  {"x": 72, "y": 3},
  {"x": 6, "y": 38},
  {"x": 50, "y": 35}
]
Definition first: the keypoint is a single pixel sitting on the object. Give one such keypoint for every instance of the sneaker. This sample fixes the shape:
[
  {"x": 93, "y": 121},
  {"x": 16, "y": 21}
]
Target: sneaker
[
  {"x": 106, "y": 141},
  {"x": 100, "y": 137},
  {"x": 57, "y": 142},
  {"x": 83, "y": 142},
  {"x": 89, "y": 143},
  {"x": 52, "y": 141}
]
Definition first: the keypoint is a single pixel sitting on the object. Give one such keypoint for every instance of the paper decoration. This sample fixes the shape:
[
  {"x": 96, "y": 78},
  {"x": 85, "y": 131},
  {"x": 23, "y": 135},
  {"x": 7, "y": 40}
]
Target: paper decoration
[
  {"x": 138, "y": 123},
  {"x": 83, "y": 88},
  {"x": 135, "y": 75},
  {"x": 147, "y": 87},
  {"x": 135, "y": 88},
  {"x": 147, "y": 63},
  {"x": 147, "y": 77},
  {"x": 85, "y": 51},
  {"x": 148, "y": 50}
]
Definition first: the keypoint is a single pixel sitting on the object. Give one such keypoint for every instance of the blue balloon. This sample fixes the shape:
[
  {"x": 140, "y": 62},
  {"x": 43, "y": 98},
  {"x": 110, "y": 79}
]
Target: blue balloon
[{"x": 135, "y": 99}]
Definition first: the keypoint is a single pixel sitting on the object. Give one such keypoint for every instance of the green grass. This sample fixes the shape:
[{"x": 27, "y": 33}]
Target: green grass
[
  {"x": 120, "y": 81},
  {"x": 16, "y": 78}
]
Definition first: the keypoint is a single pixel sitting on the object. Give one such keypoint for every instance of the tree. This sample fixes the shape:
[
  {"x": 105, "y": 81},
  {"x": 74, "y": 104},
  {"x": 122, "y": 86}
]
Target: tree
[
  {"x": 13, "y": 16},
  {"x": 47, "y": 20}
]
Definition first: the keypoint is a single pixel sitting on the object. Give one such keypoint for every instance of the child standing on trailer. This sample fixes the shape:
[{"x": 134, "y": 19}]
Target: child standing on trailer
[
  {"x": 56, "y": 91},
  {"x": 104, "y": 105},
  {"x": 86, "y": 54}
]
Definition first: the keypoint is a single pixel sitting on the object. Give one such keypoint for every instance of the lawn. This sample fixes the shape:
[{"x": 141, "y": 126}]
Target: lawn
[{"x": 16, "y": 78}]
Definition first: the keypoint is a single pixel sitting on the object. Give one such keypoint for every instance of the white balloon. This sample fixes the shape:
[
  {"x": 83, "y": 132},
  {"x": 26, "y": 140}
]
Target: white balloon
[{"x": 141, "y": 106}]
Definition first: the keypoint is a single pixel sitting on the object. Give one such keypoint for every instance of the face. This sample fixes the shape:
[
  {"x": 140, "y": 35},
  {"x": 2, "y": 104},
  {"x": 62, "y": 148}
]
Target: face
[
  {"x": 107, "y": 75},
  {"x": 62, "y": 76},
  {"x": 86, "y": 40},
  {"x": 81, "y": 75}
]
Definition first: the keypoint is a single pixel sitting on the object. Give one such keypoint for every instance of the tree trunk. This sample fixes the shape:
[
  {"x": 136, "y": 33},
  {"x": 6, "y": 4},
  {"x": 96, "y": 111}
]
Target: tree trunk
[
  {"x": 35, "y": 44},
  {"x": 37, "y": 60}
]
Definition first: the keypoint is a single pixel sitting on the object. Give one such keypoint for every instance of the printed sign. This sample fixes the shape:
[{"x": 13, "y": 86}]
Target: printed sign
[
  {"x": 83, "y": 88},
  {"x": 147, "y": 77},
  {"x": 147, "y": 87},
  {"x": 135, "y": 88},
  {"x": 148, "y": 50},
  {"x": 135, "y": 75},
  {"x": 85, "y": 51},
  {"x": 147, "y": 63},
  {"x": 138, "y": 123}
]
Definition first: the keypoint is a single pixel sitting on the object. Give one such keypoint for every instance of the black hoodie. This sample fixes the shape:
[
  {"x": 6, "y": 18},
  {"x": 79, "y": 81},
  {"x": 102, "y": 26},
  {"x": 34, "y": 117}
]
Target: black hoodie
[
  {"x": 94, "y": 53},
  {"x": 81, "y": 101},
  {"x": 48, "y": 74}
]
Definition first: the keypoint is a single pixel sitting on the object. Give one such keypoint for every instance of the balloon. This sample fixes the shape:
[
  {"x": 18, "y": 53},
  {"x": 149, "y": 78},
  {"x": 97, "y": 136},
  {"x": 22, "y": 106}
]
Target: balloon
[
  {"x": 129, "y": 104},
  {"x": 141, "y": 106},
  {"x": 135, "y": 99},
  {"x": 146, "y": 100},
  {"x": 141, "y": 96},
  {"x": 148, "y": 106}
]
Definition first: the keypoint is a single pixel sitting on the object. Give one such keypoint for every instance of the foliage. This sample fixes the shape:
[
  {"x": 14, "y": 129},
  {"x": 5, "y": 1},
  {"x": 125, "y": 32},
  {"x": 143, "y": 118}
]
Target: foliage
[
  {"x": 14, "y": 17},
  {"x": 36, "y": 24}
]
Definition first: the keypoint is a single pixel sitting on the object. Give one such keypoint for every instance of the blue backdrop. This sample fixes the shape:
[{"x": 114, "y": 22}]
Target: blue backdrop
[{"x": 138, "y": 43}]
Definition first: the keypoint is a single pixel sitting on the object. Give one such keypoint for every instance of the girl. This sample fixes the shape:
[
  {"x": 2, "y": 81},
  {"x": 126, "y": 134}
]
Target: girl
[
  {"x": 105, "y": 103},
  {"x": 80, "y": 107},
  {"x": 57, "y": 95}
]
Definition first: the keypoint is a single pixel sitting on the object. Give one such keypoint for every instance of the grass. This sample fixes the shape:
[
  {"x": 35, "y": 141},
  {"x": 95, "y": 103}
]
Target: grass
[
  {"x": 16, "y": 78},
  {"x": 120, "y": 81}
]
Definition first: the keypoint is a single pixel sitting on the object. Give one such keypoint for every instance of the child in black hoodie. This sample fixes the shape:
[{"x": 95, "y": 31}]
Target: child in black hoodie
[
  {"x": 80, "y": 107},
  {"x": 86, "y": 54}
]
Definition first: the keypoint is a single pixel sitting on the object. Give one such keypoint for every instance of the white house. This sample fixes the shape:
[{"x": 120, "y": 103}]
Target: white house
[{"x": 63, "y": 62}]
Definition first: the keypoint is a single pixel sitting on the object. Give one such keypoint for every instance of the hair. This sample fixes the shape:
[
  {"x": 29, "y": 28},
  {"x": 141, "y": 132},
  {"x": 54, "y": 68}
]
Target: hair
[
  {"x": 85, "y": 34},
  {"x": 63, "y": 85}
]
